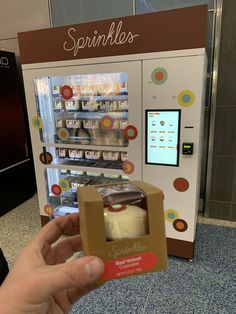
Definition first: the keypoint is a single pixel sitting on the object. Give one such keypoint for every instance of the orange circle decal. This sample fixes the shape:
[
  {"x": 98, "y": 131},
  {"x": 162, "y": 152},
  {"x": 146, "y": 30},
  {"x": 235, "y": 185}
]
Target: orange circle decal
[
  {"x": 180, "y": 225},
  {"x": 63, "y": 134},
  {"x": 159, "y": 76},
  {"x": 128, "y": 167}
]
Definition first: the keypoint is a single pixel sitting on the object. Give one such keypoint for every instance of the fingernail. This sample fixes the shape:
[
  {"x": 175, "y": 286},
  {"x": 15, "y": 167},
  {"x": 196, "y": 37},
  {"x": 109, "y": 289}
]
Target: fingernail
[{"x": 94, "y": 269}]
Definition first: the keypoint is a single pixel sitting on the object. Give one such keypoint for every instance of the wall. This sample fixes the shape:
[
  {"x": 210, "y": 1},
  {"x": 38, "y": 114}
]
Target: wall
[
  {"x": 222, "y": 182},
  {"x": 18, "y": 16},
  {"x": 66, "y": 12}
]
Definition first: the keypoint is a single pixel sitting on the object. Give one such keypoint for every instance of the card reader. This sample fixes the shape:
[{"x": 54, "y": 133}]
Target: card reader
[{"x": 187, "y": 149}]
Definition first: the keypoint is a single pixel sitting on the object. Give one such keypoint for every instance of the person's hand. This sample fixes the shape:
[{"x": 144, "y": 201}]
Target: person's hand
[{"x": 41, "y": 281}]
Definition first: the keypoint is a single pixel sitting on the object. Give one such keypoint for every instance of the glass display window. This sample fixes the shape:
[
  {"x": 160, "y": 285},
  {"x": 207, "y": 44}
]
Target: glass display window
[
  {"x": 90, "y": 109},
  {"x": 62, "y": 184},
  {"x": 76, "y": 156}
]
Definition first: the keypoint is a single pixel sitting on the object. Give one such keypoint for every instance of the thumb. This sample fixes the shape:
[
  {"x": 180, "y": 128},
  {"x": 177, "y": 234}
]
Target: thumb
[{"x": 77, "y": 274}]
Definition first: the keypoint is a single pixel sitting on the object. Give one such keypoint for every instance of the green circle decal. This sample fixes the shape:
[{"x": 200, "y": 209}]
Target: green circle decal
[{"x": 159, "y": 76}]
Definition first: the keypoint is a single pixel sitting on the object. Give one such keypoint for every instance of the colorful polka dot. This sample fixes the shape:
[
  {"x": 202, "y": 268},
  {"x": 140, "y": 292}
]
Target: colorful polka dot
[
  {"x": 64, "y": 184},
  {"x": 181, "y": 184},
  {"x": 128, "y": 167},
  {"x": 66, "y": 92},
  {"x": 171, "y": 214},
  {"x": 37, "y": 122},
  {"x": 48, "y": 209},
  {"x": 159, "y": 76},
  {"x": 186, "y": 98},
  {"x": 130, "y": 132},
  {"x": 106, "y": 122},
  {"x": 56, "y": 189},
  {"x": 63, "y": 134},
  {"x": 180, "y": 225},
  {"x": 45, "y": 158}
]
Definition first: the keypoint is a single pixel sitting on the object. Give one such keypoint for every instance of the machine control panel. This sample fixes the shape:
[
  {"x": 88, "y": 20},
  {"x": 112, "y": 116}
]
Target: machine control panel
[{"x": 187, "y": 149}]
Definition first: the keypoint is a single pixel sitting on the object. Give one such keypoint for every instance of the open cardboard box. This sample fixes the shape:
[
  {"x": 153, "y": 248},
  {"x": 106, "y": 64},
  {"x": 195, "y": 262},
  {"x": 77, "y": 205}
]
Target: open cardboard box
[{"x": 125, "y": 256}]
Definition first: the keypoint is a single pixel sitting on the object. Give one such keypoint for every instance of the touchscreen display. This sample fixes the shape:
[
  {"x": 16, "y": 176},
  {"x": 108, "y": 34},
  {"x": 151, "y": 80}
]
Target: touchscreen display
[{"x": 162, "y": 137}]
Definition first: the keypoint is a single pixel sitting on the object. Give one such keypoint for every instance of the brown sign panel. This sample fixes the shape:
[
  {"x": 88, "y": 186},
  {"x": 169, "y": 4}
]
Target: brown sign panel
[{"x": 162, "y": 31}]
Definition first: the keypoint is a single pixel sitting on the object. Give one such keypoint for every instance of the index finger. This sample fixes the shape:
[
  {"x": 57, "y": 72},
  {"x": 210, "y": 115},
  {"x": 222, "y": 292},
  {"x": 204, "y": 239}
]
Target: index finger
[{"x": 52, "y": 231}]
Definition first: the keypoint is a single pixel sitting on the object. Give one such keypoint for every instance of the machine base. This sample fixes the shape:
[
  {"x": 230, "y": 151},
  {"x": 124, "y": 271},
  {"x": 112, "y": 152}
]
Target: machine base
[
  {"x": 180, "y": 248},
  {"x": 44, "y": 220}
]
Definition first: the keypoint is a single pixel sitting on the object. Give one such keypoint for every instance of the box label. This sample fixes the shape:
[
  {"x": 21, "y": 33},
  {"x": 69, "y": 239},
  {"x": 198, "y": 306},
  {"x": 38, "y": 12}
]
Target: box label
[{"x": 129, "y": 265}]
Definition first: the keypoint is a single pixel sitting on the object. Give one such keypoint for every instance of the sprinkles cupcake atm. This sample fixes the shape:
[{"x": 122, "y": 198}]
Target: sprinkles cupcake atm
[{"x": 118, "y": 100}]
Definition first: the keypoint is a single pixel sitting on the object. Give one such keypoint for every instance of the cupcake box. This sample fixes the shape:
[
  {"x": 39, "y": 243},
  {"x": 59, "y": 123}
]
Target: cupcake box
[{"x": 123, "y": 224}]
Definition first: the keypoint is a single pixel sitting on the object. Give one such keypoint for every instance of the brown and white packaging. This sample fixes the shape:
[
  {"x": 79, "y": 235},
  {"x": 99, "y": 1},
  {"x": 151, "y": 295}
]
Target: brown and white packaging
[{"x": 123, "y": 224}]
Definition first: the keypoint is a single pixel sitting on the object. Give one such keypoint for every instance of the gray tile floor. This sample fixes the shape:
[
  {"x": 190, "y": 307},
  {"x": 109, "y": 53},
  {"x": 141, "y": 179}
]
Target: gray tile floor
[{"x": 206, "y": 285}]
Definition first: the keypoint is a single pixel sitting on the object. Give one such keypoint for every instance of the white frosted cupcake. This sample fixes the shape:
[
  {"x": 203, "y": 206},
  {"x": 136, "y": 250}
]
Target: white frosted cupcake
[{"x": 125, "y": 221}]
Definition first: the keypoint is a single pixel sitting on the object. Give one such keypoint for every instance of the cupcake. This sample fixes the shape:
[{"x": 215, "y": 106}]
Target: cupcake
[{"x": 125, "y": 221}]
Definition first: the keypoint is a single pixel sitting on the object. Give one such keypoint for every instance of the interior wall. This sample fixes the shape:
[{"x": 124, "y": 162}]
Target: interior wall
[
  {"x": 65, "y": 12},
  {"x": 222, "y": 182},
  {"x": 19, "y": 16}
]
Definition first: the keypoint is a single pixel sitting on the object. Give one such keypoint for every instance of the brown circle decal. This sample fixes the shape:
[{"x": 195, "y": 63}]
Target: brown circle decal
[
  {"x": 45, "y": 158},
  {"x": 181, "y": 184},
  {"x": 180, "y": 225}
]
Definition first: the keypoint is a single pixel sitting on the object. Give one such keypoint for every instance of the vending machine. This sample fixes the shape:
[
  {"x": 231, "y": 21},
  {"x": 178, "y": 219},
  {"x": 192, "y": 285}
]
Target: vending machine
[{"x": 116, "y": 100}]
